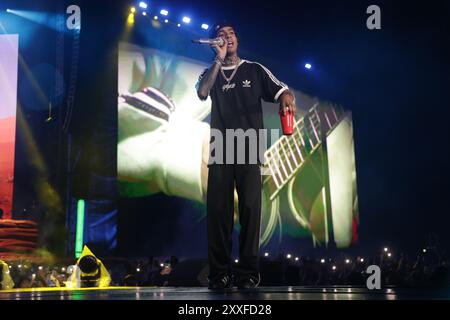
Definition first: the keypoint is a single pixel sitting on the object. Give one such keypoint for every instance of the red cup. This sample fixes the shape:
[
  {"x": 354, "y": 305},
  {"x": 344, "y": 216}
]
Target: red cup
[{"x": 287, "y": 122}]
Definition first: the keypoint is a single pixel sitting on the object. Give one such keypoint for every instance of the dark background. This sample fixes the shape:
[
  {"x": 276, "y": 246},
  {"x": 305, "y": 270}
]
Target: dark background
[{"x": 394, "y": 80}]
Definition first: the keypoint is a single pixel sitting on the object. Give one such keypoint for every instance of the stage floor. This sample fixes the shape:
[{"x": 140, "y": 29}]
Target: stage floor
[{"x": 199, "y": 293}]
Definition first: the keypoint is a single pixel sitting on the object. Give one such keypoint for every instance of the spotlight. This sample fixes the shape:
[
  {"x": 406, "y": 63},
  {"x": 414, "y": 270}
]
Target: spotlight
[
  {"x": 20, "y": 266},
  {"x": 138, "y": 270},
  {"x": 424, "y": 250},
  {"x": 130, "y": 19},
  {"x": 40, "y": 268},
  {"x": 385, "y": 249},
  {"x": 266, "y": 254},
  {"x": 8, "y": 10},
  {"x": 362, "y": 259},
  {"x": 347, "y": 261},
  {"x": 308, "y": 66},
  {"x": 133, "y": 10},
  {"x": 389, "y": 254},
  {"x": 334, "y": 268},
  {"x": 166, "y": 21},
  {"x": 162, "y": 265},
  {"x": 296, "y": 258},
  {"x": 63, "y": 269},
  {"x": 322, "y": 260},
  {"x": 178, "y": 25},
  {"x": 33, "y": 275},
  {"x": 155, "y": 17},
  {"x": 164, "y": 12},
  {"x": 144, "y": 13},
  {"x": 186, "y": 20},
  {"x": 205, "y": 26},
  {"x": 90, "y": 271},
  {"x": 289, "y": 256},
  {"x": 143, "y": 5},
  {"x": 236, "y": 261}
]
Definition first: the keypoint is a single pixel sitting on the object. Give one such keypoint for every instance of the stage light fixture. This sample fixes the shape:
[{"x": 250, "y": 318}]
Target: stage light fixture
[
  {"x": 133, "y": 10},
  {"x": 144, "y": 13},
  {"x": 385, "y": 249},
  {"x": 347, "y": 261},
  {"x": 334, "y": 268},
  {"x": 322, "y": 260},
  {"x": 162, "y": 265},
  {"x": 308, "y": 66},
  {"x": 166, "y": 21},
  {"x": 8, "y": 10},
  {"x": 186, "y": 20},
  {"x": 143, "y": 5},
  {"x": 389, "y": 254},
  {"x": 164, "y": 12},
  {"x": 178, "y": 25},
  {"x": 296, "y": 258},
  {"x": 362, "y": 260},
  {"x": 205, "y": 26},
  {"x": 288, "y": 256},
  {"x": 266, "y": 254},
  {"x": 90, "y": 271},
  {"x": 236, "y": 261},
  {"x": 424, "y": 250},
  {"x": 138, "y": 270},
  {"x": 155, "y": 17}
]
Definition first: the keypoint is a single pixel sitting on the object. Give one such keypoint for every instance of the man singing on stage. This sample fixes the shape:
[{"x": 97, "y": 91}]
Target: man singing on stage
[{"x": 236, "y": 87}]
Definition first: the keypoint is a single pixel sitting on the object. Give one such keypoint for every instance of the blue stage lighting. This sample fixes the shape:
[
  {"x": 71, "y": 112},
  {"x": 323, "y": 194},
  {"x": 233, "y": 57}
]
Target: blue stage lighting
[
  {"x": 164, "y": 12},
  {"x": 205, "y": 26},
  {"x": 143, "y": 5},
  {"x": 8, "y": 10},
  {"x": 186, "y": 20},
  {"x": 308, "y": 66}
]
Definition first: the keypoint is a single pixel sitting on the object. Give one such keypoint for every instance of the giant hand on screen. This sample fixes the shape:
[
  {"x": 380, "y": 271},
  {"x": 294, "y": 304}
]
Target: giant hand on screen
[{"x": 161, "y": 148}]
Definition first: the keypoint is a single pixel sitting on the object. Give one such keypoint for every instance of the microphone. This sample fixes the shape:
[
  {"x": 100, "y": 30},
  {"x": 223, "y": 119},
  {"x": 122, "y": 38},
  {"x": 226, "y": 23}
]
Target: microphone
[{"x": 217, "y": 41}]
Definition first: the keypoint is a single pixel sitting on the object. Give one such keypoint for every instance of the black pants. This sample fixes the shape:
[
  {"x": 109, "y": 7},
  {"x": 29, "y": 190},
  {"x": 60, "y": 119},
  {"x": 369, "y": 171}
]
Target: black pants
[{"x": 220, "y": 207}]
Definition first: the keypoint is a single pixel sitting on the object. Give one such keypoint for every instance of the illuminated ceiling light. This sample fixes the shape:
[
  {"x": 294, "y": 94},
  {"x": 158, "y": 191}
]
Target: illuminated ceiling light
[
  {"x": 164, "y": 12},
  {"x": 143, "y": 5},
  {"x": 186, "y": 20},
  {"x": 130, "y": 19},
  {"x": 205, "y": 26}
]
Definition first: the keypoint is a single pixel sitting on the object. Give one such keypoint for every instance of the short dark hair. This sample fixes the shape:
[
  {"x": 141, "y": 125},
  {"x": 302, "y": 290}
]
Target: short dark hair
[{"x": 219, "y": 25}]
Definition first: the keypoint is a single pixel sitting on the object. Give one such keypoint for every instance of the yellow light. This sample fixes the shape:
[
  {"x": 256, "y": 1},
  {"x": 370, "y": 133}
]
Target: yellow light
[
  {"x": 133, "y": 10},
  {"x": 130, "y": 19}
]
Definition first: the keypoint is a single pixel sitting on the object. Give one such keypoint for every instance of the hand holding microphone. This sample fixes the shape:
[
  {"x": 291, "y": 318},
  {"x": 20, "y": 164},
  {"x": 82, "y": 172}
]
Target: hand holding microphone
[{"x": 217, "y": 44}]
